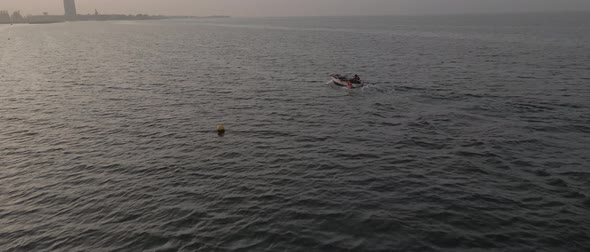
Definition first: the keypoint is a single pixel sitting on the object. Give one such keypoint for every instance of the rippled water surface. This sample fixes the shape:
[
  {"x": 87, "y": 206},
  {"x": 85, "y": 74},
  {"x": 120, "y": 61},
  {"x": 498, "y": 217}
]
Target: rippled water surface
[{"x": 473, "y": 133}]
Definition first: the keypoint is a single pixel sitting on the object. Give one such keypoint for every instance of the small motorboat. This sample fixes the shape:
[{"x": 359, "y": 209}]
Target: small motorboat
[{"x": 346, "y": 82}]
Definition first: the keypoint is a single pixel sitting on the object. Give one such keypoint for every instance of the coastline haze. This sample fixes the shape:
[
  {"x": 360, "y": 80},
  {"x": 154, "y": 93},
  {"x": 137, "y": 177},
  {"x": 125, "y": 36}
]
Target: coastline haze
[{"x": 297, "y": 8}]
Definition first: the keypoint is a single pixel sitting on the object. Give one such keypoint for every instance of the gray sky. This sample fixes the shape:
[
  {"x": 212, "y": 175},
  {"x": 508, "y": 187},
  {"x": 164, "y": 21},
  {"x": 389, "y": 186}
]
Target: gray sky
[{"x": 296, "y": 7}]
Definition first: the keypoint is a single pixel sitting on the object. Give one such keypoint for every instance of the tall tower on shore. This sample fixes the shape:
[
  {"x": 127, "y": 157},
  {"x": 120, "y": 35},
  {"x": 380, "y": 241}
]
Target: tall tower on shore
[{"x": 70, "y": 8}]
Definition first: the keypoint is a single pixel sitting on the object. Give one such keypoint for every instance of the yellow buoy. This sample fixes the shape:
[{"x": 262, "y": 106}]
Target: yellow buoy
[{"x": 220, "y": 130}]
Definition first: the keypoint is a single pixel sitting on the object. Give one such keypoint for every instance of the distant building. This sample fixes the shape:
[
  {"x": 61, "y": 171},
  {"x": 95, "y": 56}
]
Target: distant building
[
  {"x": 70, "y": 9},
  {"x": 4, "y": 17},
  {"x": 17, "y": 17}
]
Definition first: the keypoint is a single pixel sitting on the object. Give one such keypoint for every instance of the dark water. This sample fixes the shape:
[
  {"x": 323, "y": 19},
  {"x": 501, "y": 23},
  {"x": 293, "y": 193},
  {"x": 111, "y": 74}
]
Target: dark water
[{"x": 473, "y": 134}]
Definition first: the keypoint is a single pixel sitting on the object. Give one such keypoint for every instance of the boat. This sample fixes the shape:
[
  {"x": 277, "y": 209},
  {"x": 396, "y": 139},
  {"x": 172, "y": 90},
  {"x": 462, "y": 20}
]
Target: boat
[{"x": 344, "y": 81}]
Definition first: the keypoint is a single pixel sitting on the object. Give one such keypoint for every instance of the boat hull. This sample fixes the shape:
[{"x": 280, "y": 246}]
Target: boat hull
[{"x": 343, "y": 82}]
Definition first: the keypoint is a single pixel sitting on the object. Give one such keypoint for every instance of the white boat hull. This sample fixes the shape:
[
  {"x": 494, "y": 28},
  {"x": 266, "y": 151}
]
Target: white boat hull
[{"x": 345, "y": 83}]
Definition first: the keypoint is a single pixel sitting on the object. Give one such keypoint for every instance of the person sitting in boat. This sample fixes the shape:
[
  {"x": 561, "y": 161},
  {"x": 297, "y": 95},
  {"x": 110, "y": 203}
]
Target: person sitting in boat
[{"x": 356, "y": 79}]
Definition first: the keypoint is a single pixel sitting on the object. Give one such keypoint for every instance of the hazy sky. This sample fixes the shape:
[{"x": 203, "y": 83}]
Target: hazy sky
[{"x": 296, "y": 7}]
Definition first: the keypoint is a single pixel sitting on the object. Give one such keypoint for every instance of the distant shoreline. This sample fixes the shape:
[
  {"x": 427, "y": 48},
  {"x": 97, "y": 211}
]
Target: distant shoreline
[
  {"x": 49, "y": 19},
  {"x": 52, "y": 19}
]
